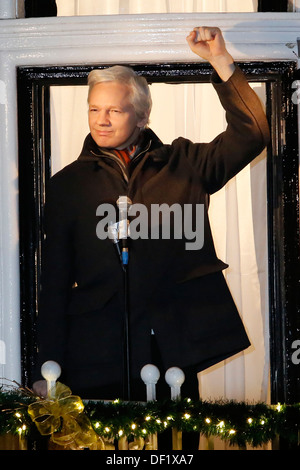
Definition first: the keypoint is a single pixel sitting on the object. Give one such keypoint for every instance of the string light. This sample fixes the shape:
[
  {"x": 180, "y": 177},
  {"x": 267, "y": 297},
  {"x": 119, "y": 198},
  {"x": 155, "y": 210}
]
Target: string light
[
  {"x": 221, "y": 425},
  {"x": 79, "y": 406},
  {"x": 22, "y": 429},
  {"x": 263, "y": 421}
]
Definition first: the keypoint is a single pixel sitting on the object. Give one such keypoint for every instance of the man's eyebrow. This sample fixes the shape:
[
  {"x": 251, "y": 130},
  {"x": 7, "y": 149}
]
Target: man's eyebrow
[{"x": 112, "y": 106}]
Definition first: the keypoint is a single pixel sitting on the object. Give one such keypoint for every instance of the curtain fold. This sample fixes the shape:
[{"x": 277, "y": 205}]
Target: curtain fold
[{"x": 238, "y": 212}]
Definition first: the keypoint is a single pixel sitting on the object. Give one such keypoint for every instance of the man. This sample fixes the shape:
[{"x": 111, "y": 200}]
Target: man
[{"x": 177, "y": 294}]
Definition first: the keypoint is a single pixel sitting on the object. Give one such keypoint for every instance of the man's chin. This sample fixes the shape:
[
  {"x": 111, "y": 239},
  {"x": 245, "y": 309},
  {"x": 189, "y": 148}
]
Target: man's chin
[{"x": 104, "y": 142}]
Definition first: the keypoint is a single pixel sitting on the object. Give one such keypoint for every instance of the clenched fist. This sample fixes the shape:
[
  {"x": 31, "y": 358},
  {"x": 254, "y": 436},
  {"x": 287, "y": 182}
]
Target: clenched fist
[{"x": 208, "y": 43}]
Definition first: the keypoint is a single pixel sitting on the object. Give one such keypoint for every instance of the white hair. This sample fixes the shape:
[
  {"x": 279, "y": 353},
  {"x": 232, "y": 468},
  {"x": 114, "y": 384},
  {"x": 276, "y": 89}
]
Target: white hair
[{"x": 140, "y": 91}]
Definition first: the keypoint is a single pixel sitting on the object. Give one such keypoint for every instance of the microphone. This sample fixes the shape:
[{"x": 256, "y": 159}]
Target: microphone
[{"x": 123, "y": 204}]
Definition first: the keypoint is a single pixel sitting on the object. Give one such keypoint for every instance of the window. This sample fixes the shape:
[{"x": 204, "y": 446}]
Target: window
[{"x": 34, "y": 85}]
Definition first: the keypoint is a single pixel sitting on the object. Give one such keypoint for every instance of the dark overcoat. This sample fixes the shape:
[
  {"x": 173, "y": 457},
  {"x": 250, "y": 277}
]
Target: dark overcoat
[{"x": 177, "y": 293}]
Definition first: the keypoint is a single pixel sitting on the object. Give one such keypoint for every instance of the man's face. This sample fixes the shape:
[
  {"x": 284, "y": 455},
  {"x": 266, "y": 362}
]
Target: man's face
[{"x": 112, "y": 119}]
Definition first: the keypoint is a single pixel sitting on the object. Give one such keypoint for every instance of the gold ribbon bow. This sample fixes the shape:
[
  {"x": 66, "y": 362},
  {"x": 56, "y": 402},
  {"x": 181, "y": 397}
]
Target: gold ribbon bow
[{"x": 64, "y": 420}]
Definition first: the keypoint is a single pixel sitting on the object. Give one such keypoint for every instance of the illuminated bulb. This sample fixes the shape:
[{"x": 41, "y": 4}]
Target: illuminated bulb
[
  {"x": 232, "y": 431},
  {"x": 97, "y": 425},
  {"x": 279, "y": 407},
  {"x": 18, "y": 415},
  {"x": 208, "y": 421},
  {"x": 221, "y": 424},
  {"x": 250, "y": 420},
  {"x": 133, "y": 426},
  {"x": 158, "y": 421},
  {"x": 262, "y": 422},
  {"x": 106, "y": 429},
  {"x": 148, "y": 418},
  {"x": 120, "y": 433},
  {"x": 144, "y": 431},
  {"x": 187, "y": 416},
  {"x": 22, "y": 429}
]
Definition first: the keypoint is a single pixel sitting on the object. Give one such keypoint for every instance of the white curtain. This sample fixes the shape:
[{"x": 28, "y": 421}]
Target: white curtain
[
  {"x": 112, "y": 7},
  {"x": 293, "y": 5},
  {"x": 238, "y": 212}
]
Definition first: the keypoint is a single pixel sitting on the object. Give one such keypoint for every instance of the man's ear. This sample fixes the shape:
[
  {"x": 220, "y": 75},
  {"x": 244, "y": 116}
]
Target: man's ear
[{"x": 142, "y": 123}]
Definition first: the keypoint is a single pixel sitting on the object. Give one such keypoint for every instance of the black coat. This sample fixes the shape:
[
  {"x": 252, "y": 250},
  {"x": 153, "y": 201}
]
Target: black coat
[{"x": 180, "y": 294}]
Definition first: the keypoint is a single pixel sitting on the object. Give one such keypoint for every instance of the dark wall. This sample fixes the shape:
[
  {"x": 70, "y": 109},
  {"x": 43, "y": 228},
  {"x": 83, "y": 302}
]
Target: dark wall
[
  {"x": 272, "y": 5},
  {"x": 39, "y": 8}
]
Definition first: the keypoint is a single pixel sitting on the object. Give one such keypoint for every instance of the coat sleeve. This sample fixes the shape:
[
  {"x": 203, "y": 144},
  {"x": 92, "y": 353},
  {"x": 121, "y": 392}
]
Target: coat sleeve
[
  {"x": 56, "y": 278},
  {"x": 246, "y": 134}
]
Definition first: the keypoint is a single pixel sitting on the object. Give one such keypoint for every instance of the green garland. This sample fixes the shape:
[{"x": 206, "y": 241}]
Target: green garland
[{"x": 239, "y": 423}]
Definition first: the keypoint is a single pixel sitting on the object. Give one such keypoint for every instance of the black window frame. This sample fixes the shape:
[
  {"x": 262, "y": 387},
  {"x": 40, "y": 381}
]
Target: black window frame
[{"x": 282, "y": 197}]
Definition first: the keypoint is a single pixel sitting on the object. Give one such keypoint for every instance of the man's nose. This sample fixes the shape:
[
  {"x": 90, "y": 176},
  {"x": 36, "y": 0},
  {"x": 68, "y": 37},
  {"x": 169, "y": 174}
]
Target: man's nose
[{"x": 103, "y": 118}]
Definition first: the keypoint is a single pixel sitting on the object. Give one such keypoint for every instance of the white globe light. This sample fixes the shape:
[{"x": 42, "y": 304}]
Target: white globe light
[
  {"x": 51, "y": 370},
  {"x": 174, "y": 377},
  {"x": 150, "y": 374}
]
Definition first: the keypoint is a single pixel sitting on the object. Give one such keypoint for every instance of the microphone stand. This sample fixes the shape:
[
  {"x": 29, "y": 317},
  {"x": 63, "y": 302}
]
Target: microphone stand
[
  {"x": 123, "y": 204},
  {"x": 126, "y": 337},
  {"x": 122, "y": 252}
]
